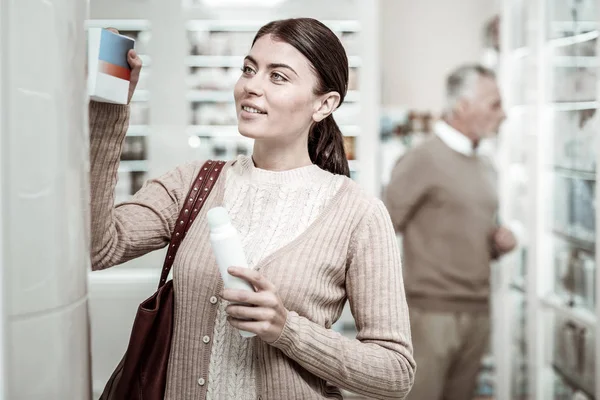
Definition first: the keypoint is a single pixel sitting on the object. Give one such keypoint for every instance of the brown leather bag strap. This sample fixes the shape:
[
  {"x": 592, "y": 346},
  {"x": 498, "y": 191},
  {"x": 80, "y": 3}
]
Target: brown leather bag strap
[{"x": 205, "y": 181}]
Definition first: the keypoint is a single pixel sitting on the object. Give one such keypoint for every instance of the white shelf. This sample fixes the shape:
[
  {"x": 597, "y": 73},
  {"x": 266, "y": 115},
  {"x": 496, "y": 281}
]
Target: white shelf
[
  {"x": 254, "y": 25},
  {"x": 223, "y": 96},
  {"x": 567, "y": 26},
  {"x": 573, "y": 105},
  {"x": 137, "y": 130},
  {"x": 237, "y": 61},
  {"x": 232, "y": 130},
  {"x": 133, "y": 166},
  {"x": 141, "y": 96},
  {"x": 574, "y": 174},
  {"x": 535, "y": 81},
  {"x": 575, "y": 62},
  {"x": 571, "y": 40},
  {"x": 576, "y": 314},
  {"x": 120, "y": 24}
]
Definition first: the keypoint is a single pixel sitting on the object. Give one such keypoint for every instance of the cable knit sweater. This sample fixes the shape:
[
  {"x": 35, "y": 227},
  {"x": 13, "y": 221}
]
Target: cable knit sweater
[
  {"x": 269, "y": 209},
  {"x": 343, "y": 250}
]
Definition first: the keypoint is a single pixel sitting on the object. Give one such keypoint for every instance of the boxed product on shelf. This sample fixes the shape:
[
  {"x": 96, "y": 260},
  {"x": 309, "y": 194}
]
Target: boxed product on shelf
[
  {"x": 574, "y": 213},
  {"x": 574, "y": 84},
  {"x": 219, "y": 43},
  {"x": 573, "y": 356},
  {"x": 213, "y": 113},
  {"x": 347, "y": 114},
  {"x": 353, "y": 79},
  {"x": 225, "y": 148},
  {"x": 586, "y": 48},
  {"x": 575, "y": 135},
  {"x": 573, "y": 11},
  {"x": 350, "y": 147},
  {"x": 222, "y": 78},
  {"x": 134, "y": 148},
  {"x": 575, "y": 275}
]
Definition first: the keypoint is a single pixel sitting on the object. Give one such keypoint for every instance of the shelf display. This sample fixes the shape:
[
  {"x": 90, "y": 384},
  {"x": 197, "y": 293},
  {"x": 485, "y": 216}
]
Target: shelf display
[
  {"x": 558, "y": 98},
  {"x": 574, "y": 355}
]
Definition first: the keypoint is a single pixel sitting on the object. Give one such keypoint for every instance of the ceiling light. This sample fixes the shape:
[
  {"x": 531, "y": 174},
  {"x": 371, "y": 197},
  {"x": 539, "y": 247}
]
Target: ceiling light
[{"x": 242, "y": 3}]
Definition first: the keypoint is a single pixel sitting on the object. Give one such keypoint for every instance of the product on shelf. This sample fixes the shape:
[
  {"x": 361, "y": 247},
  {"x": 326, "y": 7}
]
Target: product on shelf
[
  {"x": 221, "y": 78},
  {"x": 350, "y": 147},
  {"x": 134, "y": 148},
  {"x": 213, "y": 113},
  {"x": 128, "y": 183},
  {"x": 575, "y": 272},
  {"x": 574, "y": 208},
  {"x": 573, "y": 357},
  {"x": 137, "y": 180},
  {"x": 353, "y": 79},
  {"x": 575, "y": 135},
  {"x": 574, "y": 84},
  {"x": 572, "y": 12}
]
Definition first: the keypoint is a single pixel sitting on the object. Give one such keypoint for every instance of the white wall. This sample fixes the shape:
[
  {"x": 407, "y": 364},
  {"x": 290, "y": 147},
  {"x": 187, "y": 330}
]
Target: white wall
[
  {"x": 44, "y": 218},
  {"x": 421, "y": 41}
]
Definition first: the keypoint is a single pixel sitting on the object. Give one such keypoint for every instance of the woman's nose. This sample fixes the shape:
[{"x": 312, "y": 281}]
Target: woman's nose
[{"x": 253, "y": 86}]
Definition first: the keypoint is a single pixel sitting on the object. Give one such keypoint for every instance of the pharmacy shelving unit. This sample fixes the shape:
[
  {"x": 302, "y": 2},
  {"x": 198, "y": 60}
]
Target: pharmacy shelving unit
[{"x": 546, "y": 312}]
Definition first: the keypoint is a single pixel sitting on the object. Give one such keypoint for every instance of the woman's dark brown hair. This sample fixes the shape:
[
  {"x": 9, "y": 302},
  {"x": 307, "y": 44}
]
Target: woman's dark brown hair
[{"x": 328, "y": 58}]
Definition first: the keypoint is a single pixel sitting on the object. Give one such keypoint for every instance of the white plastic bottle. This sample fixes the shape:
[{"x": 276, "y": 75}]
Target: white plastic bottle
[{"x": 228, "y": 250}]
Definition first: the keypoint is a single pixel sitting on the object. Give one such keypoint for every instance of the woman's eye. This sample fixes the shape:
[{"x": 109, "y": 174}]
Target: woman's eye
[
  {"x": 278, "y": 77},
  {"x": 247, "y": 70}
]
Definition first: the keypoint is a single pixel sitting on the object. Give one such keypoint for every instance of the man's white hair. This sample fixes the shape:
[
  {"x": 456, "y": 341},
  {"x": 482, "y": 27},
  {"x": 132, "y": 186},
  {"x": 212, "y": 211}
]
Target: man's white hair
[{"x": 461, "y": 83}]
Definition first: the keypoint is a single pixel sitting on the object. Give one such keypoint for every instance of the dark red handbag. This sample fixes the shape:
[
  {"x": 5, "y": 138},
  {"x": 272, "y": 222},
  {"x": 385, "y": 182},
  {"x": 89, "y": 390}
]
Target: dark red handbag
[{"x": 142, "y": 372}]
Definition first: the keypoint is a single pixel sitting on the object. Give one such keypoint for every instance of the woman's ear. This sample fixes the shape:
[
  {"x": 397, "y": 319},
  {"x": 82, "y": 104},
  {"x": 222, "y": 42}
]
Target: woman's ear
[{"x": 325, "y": 105}]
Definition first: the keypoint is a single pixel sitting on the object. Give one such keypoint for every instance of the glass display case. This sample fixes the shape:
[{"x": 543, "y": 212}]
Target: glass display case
[{"x": 560, "y": 287}]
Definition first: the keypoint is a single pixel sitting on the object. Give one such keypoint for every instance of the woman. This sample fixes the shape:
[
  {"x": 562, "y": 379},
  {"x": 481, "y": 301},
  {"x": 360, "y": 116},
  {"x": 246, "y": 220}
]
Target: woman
[{"x": 313, "y": 238}]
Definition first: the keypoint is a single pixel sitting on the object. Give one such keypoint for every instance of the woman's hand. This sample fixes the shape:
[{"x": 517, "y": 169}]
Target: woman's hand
[
  {"x": 264, "y": 309},
  {"x": 135, "y": 62}
]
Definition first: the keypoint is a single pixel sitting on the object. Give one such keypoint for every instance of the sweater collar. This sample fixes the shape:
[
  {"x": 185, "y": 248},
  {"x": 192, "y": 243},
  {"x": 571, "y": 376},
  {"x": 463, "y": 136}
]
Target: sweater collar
[
  {"x": 310, "y": 174},
  {"x": 454, "y": 139}
]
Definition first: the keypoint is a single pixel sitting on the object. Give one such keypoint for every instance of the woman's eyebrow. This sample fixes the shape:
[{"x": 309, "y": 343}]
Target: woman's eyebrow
[{"x": 272, "y": 65}]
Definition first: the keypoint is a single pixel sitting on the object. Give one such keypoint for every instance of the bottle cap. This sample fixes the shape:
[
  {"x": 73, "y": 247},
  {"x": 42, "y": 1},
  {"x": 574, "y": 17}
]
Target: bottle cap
[{"x": 217, "y": 217}]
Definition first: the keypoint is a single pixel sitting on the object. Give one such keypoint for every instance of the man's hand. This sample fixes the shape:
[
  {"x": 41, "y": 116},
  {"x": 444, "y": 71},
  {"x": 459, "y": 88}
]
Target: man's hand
[{"x": 504, "y": 240}]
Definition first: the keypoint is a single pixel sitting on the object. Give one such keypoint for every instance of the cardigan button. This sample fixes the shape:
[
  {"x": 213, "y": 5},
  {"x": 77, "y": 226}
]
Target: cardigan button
[
  {"x": 201, "y": 381},
  {"x": 213, "y": 300},
  {"x": 206, "y": 339}
]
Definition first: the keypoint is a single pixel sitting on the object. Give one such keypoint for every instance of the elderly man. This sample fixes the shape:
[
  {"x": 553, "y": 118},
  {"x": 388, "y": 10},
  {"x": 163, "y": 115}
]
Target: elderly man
[{"x": 442, "y": 198}]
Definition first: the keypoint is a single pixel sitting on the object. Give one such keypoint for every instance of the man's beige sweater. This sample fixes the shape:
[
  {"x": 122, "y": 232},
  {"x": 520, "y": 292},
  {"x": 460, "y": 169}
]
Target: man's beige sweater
[
  {"x": 348, "y": 253},
  {"x": 444, "y": 203}
]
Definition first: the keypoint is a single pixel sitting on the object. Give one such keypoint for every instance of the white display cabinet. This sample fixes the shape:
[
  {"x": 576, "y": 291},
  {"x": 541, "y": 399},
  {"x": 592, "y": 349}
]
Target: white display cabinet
[{"x": 546, "y": 336}]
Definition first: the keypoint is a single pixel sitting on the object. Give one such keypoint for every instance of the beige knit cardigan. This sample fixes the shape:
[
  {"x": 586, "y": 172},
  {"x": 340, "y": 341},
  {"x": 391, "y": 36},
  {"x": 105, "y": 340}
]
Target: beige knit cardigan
[{"x": 349, "y": 253}]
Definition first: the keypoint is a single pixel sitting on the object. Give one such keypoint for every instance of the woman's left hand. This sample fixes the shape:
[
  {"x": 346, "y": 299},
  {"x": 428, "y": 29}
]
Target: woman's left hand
[{"x": 265, "y": 310}]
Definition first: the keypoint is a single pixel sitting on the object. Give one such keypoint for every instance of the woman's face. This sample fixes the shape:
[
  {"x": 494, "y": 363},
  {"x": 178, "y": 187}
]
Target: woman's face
[{"x": 274, "y": 97}]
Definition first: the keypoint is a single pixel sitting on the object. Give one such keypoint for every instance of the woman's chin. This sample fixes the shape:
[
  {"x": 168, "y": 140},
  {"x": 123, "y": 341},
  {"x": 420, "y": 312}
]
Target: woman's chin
[{"x": 250, "y": 133}]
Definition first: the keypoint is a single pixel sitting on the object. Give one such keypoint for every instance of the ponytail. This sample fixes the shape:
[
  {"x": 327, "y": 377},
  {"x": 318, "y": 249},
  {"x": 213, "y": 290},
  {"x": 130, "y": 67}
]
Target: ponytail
[{"x": 326, "y": 147}]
